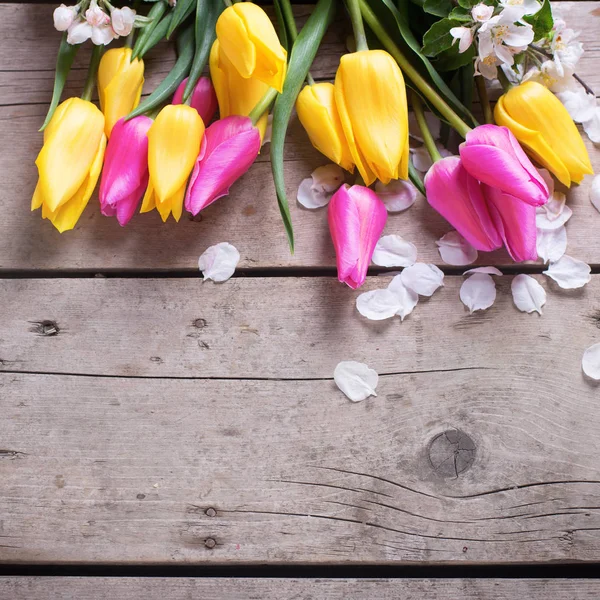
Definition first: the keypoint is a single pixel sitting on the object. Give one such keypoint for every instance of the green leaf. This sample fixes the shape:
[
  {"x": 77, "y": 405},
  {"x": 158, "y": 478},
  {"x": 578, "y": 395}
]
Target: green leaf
[
  {"x": 158, "y": 35},
  {"x": 460, "y": 14},
  {"x": 439, "y": 8},
  {"x": 185, "y": 51},
  {"x": 468, "y": 3},
  {"x": 302, "y": 55},
  {"x": 438, "y": 38},
  {"x": 207, "y": 13},
  {"x": 156, "y": 13},
  {"x": 542, "y": 22},
  {"x": 452, "y": 59},
  {"x": 415, "y": 177},
  {"x": 183, "y": 9},
  {"x": 64, "y": 61},
  {"x": 281, "y": 28}
]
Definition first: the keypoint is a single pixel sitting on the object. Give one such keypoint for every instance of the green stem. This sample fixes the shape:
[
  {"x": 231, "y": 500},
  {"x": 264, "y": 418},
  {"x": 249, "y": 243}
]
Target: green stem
[
  {"x": 488, "y": 115},
  {"x": 288, "y": 17},
  {"x": 263, "y": 105},
  {"x": 129, "y": 39},
  {"x": 354, "y": 7},
  {"x": 422, "y": 123},
  {"x": 503, "y": 79},
  {"x": 427, "y": 90},
  {"x": 227, "y": 3},
  {"x": 310, "y": 79},
  {"x": 90, "y": 82}
]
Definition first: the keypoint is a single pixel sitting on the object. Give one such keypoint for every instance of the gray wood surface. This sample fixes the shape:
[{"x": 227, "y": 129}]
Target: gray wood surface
[
  {"x": 248, "y": 218},
  {"x": 151, "y": 588}
]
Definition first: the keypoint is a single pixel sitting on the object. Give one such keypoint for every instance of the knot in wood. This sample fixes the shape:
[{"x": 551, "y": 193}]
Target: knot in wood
[
  {"x": 210, "y": 512},
  {"x": 451, "y": 453},
  {"x": 199, "y": 323},
  {"x": 47, "y": 328},
  {"x": 210, "y": 543}
]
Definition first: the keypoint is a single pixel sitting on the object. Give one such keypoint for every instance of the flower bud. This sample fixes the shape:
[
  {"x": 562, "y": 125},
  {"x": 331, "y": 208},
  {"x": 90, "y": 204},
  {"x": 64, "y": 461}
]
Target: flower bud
[
  {"x": 122, "y": 20},
  {"x": 64, "y": 17}
]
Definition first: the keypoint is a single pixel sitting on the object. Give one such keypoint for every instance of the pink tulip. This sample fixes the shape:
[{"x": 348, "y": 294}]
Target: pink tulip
[
  {"x": 356, "y": 219},
  {"x": 125, "y": 174},
  {"x": 493, "y": 155},
  {"x": 229, "y": 148},
  {"x": 204, "y": 98}
]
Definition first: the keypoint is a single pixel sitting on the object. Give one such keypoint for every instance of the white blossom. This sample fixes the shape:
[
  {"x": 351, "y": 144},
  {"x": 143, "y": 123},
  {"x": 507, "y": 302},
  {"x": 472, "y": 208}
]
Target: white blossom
[
  {"x": 464, "y": 35},
  {"x": 482, "y": 13},
  {"x": 122, "y": 20},
  {"x": 64, "y": 17}
]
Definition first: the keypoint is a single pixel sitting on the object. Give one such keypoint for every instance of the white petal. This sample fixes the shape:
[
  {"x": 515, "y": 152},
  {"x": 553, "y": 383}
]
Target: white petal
[
  {"x": 422, "y": 278},
  {"x": 219, "y": 261},
  {"x": 488, "y": 270},
  {"x": 356, "y": 380},
  {"x": 455, "y": 250},
  {"x": 595, "y": 192},
  {"x": 421, "y": 159},
  {"x": 555, "y": 206},
  {"x": 311, "y": 198},
  {"x": 407, "y": 297},
  {"x": 569, "y": 272},
  {"x": 328, "y": 178},
  {"x": 528, "y": 295},
  {"x": 478, "y": 292},
  {"x": 551, "y": 244},
  {"x": 590, "y": 363},
  {"x": 592, "y": 127},
  {"x": 546, "y": 222},
  {"x": 378, "y": 305},
  {"x": 579, "y": 104},
  {"x": 398, "y": 195},
  {"x": 393, "y": 251}
]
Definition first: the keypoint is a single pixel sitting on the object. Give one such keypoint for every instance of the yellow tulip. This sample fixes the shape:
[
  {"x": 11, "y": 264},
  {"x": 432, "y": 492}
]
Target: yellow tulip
[
  {"x": 120, "y": 84},
  {"x": 319, "y": 116},
  {"x": 371, "y": 100},
  {"x": 174, "y": 141},
  {"x": 542, "y": 124},
  {"x": 70, "y": 162},
  {"x": 248, "y": 39},
  {"x": 235, "y": 94}
]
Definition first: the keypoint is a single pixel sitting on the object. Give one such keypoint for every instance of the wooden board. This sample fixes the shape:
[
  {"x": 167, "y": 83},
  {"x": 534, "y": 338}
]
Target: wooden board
[
  {"x": 248, "y": 218},
  {"x": 174, "y": 588},
  {"x": 482, "y": 445}
]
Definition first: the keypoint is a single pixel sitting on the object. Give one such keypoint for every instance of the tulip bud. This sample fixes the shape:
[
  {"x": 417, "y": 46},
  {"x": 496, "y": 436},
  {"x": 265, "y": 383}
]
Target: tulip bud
[
  {"x": 122, "y": 20},
  {"x": 356, "y": 219},
  {"x": 120, "y": 82},
  {"x": 248, "y": 39},
  {"x": 70, "y": 162},
  {"x": 319, "y": 116},
  {"x": 492, "y": 155},
  {"x": 542, "y": 124},
  {"x": 174, "y": 141},
  {"x": 371, "y": 100},
  {"x": 229, "y": 148},
  {"x": 64, "y": 17},
  {"x": 125, "y": 173},
  {"x": 204, "y": 98}
]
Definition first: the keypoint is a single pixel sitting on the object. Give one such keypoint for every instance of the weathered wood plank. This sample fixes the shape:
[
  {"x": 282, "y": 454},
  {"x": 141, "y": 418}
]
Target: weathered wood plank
[
  {"x": 214, "y": 468},
  {"x": 174, "y": 588}
]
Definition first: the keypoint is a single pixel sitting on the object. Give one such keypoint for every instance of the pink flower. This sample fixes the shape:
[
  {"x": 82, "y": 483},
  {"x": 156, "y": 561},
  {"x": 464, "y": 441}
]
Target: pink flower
[
  {"x": 204, "y": 98},
  {"x": 356, "y": 219},
  {"x": 125, "y": 173},
  {"x": 229, "y": 148},
  {"x": 493, "y": 156},
  {"x": 64, "y": 17},
  {"x": 95, "y": 16}
]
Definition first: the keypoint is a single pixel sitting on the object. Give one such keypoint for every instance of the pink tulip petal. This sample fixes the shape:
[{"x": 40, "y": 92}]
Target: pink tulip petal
[
  {"x": 459, "y": 199},
  {"x": 229, "y": 148},
  {"x": 356, "y": 219},
  {"x": 204, "y": 98}
]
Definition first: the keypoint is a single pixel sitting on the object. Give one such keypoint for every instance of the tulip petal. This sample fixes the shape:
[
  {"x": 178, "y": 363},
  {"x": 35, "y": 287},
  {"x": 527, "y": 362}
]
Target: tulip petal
[{"x": 203, "y": 98}]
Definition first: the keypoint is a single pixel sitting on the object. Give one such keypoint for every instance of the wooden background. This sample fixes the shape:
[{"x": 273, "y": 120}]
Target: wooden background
[{"x": 151, "y": 419}]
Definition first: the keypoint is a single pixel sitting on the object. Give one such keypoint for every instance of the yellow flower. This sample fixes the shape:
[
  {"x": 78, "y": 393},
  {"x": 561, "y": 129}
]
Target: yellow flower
[
  {"x": 120, "y": 84},
  {"x": 248, "y": 39},
  {"x": 371, "y": 100},
  {"x": 542, "y": 124},
  {"x": 235, "y": 94},
  {"x": 319, "y": 116},
  {"x": 174, "y": 141},
  {"x": 70, "y": 162}
]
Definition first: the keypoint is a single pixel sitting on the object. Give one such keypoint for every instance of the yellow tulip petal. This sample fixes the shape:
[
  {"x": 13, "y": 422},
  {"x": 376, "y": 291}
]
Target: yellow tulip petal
[
  {"x": 173, "y": 145},
  {"x": 149, "y": 200},
  {"x": 37, "y": 200},
  {"x": 172, "y": 205},
  {"x": 235, "y": 43}
]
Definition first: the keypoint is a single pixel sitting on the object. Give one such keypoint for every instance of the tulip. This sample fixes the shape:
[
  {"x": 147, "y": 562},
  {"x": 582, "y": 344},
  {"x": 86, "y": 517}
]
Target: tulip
[
  {"x": 174, "y": 141},
  {"x": 236, "y": 95},
  {"x": 356, "y": 219},
  {"x": 538, "y": 119},
  {"x": 319, "y": 116},
  {"x": 70, "y": 162},
  {"x": 120, "y": 82},
  {"x": 493, "y": 155},
  {"x": 125, "y": 174},
  {"x": 371, "y": 100},
  {"x": 203, "y": 98},
  {"x": 229, "y": 148},
  {"x": 247, "y": 37}
]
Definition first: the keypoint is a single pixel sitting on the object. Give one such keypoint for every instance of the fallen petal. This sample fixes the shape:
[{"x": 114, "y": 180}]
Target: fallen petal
[
  {"x": 355, "y": 380},
  {"x": 478, "y": 292},
  {"x": 528, "y": 295},
  {"x": 398, "y": 195},
  {"x": 548, "y": 222},
  {"x": 594, "y": 192},
  {"x": 378, "y": 305},
  {"x": 219, "y": 262},
  {"x": 408, "y": 298},
  {"x": 455, "y": 250},
  {"x": 311, "y": 198},
  {"x": 554, "y": 207},
  {"x": 422, "y": 278},
  {"x": 328, "y": 178},
  {"x": 590, "y": 363},
  {"x": 488, "y": 270},
  {"x": 394, "y": 251},
  {"x": 551, "y": 244},
  {"x": 421, "y": 159},
  {"x": 569, "y": 272}
]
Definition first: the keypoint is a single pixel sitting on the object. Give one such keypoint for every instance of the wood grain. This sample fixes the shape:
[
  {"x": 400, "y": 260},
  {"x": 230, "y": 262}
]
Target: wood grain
[
  {"x": 482, "y": 445},
  {"x": 174, "y": 588}
]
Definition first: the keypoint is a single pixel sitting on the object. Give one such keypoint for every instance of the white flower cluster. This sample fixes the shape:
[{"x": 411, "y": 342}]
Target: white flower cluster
[
  {"x": 499, "y": 37},
  {"x": 90, "y": 21}
]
